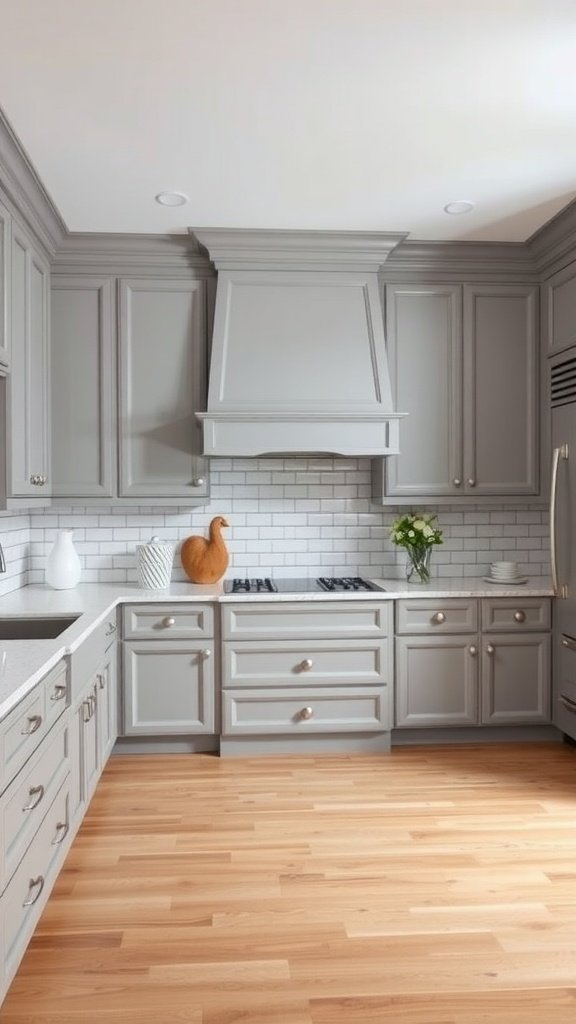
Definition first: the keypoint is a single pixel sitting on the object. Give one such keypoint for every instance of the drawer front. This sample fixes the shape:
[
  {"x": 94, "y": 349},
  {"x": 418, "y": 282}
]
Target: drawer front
[
  {"x": 445, "y": 615},
  {"x": 302, "y": 620},
  {"x": 24, "y": 803},
  {"x": 344, "y": 662},
  {"x": 252, "y": 712},
  {"x": 169, "y": 622},
  {"x": 509, "y": 614},
  {"x": 26, "y": 895},
  {"x": 57, "y": 692},
  {"x": 21, "y": 733}
]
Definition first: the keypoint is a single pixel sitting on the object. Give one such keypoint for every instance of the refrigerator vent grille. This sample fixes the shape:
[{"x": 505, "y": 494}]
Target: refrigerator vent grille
[{"x": 563, "y": 383}]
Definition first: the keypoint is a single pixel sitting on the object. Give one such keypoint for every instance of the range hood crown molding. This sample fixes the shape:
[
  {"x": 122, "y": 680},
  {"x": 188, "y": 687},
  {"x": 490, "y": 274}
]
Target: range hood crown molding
[{"x": 298, "y": 363}]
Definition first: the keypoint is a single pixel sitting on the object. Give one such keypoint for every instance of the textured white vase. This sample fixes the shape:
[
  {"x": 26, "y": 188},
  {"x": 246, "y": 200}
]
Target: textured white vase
[{"x": 63, "y": 567}]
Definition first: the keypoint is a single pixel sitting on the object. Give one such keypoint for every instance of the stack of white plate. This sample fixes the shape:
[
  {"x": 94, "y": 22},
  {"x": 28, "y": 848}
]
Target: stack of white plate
[{"x": 505, "y": 572}]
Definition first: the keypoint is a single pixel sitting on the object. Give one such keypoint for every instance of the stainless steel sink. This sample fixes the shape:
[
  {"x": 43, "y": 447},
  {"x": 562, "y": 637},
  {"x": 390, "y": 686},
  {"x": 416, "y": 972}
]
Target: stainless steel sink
[{"x": 36, "y": 627}]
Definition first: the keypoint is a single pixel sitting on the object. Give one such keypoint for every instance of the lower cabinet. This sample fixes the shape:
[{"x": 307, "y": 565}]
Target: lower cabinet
[{"x": 490, "y": 677}]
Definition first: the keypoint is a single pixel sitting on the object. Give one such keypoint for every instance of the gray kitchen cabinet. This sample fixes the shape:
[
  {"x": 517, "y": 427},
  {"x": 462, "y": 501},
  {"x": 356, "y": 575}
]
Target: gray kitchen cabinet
[
  {"x": 464, "y": 365},
  {"x": 83, "y": 378},
  {"x": 168, "y": 688},
  {"x": 107, "y": 706},
  {"x": 28, "y": 449},
  {"x": 5, "y": 231},
  {"x": 559, "y": 310},
  {"x": 515, "y": 679},
  {"x": 436, "y": 681},
  {"x": 162, "y": 361}
]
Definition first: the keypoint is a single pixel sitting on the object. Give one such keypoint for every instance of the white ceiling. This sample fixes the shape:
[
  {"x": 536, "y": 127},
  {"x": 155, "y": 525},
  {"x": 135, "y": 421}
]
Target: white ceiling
[{"x": 329, "y": 114}]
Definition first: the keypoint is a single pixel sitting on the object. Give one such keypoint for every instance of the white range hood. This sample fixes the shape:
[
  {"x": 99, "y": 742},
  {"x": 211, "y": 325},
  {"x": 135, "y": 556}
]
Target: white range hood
[{"x": 298, "y": 362}]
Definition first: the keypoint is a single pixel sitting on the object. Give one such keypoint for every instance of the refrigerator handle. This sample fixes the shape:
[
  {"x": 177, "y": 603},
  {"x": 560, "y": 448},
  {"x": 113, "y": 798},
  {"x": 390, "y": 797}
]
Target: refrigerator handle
[{"x": 560, "y": 590}]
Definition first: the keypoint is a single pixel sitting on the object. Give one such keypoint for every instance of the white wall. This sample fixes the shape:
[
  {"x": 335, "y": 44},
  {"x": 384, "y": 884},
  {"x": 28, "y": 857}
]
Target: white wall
[{"x": 294, "y": 517}]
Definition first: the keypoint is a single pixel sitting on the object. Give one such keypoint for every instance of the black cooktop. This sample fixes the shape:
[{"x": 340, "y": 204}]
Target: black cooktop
[{"x": 323, "y": 584}]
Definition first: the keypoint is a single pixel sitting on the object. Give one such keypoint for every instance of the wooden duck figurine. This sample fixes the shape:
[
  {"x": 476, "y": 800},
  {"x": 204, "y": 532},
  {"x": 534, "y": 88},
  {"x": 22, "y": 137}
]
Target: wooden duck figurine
[{"x": 206, "y": 561}]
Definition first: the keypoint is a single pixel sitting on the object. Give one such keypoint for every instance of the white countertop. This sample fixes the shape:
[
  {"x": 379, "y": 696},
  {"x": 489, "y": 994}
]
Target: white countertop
[{"x": 24, "y": 662}]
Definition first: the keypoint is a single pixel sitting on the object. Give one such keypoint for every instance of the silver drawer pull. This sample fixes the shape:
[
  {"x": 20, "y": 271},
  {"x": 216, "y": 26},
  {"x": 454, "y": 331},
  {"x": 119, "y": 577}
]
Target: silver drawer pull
[
  {"x": 306, "y": 713},
  {"x": 306, "y": 665},
  {"x": 457, "y": 481},
  {"x": 86, "y": 710},
  {"x": 439, "y": 617},
  {"x": 198, "y": 481},
  {"x": 61, "y": 833},
  {"x": 490, "y": 649},
  {"x": 35, "y": 791},
  {"x": 34, "y": 723},
  {"x": 570, "y": 705},
  {"x": 520, "y": 616},
  {"x": 35, "y": 883},
  {"x": 473, "y": 650},
  {"x": 110, "y": 629},
  {"x": 168, "y": 621},
  {"x": 570, "y": 644},
  {"x": 101, "y": 680},
  {"x": 471, "y": 481},
  {"x": 59, "y": 692},
  {"x": 206, "y": 653}
]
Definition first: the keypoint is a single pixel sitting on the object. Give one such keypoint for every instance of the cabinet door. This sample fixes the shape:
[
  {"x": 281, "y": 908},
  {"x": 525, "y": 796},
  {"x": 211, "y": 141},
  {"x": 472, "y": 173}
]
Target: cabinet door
[
  {"x": 28, "y": 417},
  {"x": 559, "y": 310},
  {"x": 4, "y": 285},
  {"x": 516, "y": 679},
  {"x": 424, "y": 341},
  {"x": 500, "y": 390},
  {"x": 162, "y": 386},
  {"x": 107, "y": 698},
  {"x": 90, "y": 758},
  {"x": 436, "y": 681},
  {"x": 83, "y": 387},
  {"x": 168, "y": 688}
]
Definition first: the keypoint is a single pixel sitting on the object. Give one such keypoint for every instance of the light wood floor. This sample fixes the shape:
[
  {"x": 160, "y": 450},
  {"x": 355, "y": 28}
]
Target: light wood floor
[{"x": 430, "y": 886}]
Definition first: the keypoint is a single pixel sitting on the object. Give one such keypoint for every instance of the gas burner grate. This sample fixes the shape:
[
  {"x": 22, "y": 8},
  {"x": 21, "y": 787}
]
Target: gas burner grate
[
  {"x": 331, "y": 583},
  {"x": 258, "y": 585}
]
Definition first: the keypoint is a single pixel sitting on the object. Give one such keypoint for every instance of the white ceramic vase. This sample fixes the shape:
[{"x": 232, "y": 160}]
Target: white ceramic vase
[{"x": 63, "y": 567}]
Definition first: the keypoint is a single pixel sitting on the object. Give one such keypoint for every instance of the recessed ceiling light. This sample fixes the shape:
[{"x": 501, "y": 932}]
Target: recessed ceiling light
[
  {"x": 459, "y": 206},
  {"x": 171, "y": 199}
]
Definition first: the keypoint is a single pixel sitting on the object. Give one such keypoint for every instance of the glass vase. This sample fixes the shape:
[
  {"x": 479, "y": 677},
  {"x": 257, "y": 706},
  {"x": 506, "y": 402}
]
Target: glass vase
[{"x": 418, "y": 564}]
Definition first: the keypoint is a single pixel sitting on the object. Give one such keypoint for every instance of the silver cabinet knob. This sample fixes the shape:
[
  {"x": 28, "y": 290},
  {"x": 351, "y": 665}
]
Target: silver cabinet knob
[
  {"x": 306, "y": 713},
  {"x": 565, "y": 643},
  {"x": 198, "y": 481},
  {"x": 207, "y": 653},
  {"x": 439, "y": 617},
  {"x": 457, "y": 481},
  {"x": 490, "y": 649},
  {"x": 168, "y": 621},
  {"x": 306, "y": 665},
  {"x": 473, "y": 650},
  {"x": 471, "y": 481},
  {"x": 520, "y": 616}
]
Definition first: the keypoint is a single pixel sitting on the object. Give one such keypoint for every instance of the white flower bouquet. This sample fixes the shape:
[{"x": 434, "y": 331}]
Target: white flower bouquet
[{"x": 418, "y": 534}]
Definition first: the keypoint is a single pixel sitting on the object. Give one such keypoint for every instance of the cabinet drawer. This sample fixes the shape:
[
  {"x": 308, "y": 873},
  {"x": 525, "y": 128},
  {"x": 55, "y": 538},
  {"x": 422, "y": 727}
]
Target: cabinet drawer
[
  {"x": 170, "y": 622},
  {"x": 315, "y": 663},
  {"x": 26, "y": 895},
  {"x": 445, "y": 615},
  {"x": 507, "y": 614},
  {"x": 252, "y": 712},
  {"x": 24, "y": 803},
  {"x": 21, "y": 733},
  {"x": 284, "y": 620}
]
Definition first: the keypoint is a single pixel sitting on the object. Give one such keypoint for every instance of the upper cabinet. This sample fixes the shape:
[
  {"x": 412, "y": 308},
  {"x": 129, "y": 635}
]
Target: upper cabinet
[
  {"x": 28, "y": 422},
  {"x": 128, "y": 376},
  {"x": 4, "y": 285},
  {"x": 559, "y": 310},
  {"x": 464, "y": 365}
]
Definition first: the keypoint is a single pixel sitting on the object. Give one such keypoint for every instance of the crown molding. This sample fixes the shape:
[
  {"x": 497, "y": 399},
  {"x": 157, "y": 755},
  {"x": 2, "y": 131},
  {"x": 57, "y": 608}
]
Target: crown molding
[
  {"x": 554, "y": 244},
  {"x": 115, "y": 253},
  {"x": 261, "y": 249},
  {"x": 462, "y": 260},
  {"x": 26, "y": 192}
]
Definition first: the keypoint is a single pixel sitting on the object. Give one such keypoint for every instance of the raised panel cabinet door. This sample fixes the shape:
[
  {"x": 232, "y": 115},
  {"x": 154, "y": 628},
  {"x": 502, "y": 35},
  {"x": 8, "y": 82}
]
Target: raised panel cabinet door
[
  {"x": 162, "y": 386},
  {"x": 28, "y": 384},
  {"x": 168, "y": 688},
  {"x": 107, "y": 701},
  {"x": 501, "y": 369},
  {"x": 559, "y": 310},
  {"x": 89, "y": 741},
  {"x": 83, "y": 375},
  {"x": 436, "y": 681},
  {"x": 516, "y": 679},
  {"x": 4, "y": 286},
  {"x": 424, "y": 343}
]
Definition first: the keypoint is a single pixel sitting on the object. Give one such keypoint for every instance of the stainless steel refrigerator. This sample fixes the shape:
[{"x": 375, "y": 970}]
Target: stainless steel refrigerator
[{"x": 563, "y": 538}]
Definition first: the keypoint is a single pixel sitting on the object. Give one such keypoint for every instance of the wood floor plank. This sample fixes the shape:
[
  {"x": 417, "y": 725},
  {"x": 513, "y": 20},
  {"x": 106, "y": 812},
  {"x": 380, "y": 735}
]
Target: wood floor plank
[{"x": 428, "y": 886}]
